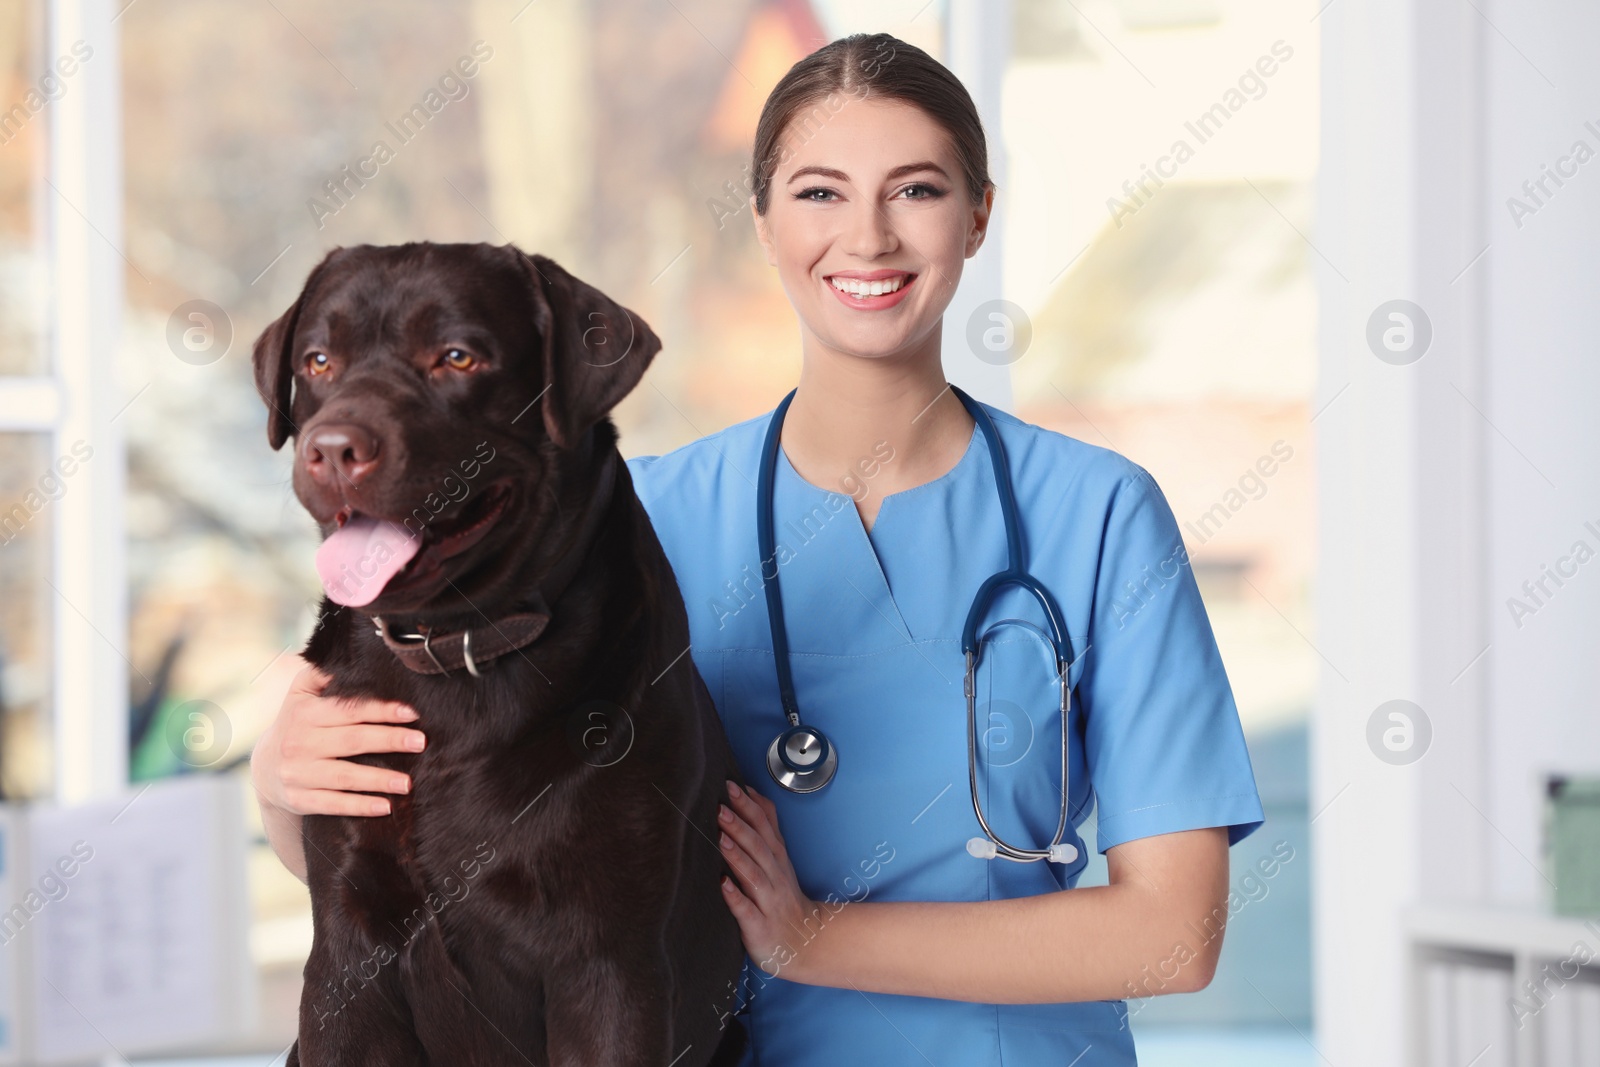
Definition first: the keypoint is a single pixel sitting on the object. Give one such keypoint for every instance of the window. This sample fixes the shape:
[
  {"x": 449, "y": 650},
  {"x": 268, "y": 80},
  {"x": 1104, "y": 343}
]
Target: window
[
  {"x": 28, "y": 486},
  {"x": 1162, "y": 160}
]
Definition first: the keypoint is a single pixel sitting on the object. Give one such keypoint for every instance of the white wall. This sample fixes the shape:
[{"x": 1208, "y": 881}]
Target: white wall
[
  {"x": 1544, "y": 396},
  {"x": 1448, "y": 481}
]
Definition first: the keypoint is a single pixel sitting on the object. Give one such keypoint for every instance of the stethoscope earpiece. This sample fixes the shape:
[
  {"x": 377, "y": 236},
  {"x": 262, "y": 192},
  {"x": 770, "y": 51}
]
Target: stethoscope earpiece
[{"x": 985, "y": 849}]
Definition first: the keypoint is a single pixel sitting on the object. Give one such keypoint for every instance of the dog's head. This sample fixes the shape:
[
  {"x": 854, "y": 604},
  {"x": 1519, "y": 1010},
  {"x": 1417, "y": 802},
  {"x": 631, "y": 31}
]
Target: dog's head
[{"x": 439, "y": 397}]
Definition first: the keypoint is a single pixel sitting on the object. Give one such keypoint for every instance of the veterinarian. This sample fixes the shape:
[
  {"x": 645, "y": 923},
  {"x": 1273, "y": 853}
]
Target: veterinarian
[{"x": 885, "y": 923}]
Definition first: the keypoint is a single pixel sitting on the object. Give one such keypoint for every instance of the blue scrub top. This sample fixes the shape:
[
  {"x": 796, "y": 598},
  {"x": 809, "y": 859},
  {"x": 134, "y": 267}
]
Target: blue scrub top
[{"x": 874, "y": 624}]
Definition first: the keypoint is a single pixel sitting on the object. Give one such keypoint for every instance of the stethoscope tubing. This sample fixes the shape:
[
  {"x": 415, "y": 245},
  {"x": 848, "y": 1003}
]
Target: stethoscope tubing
[
  {"x": 766, "y": 541},
  {"x": 805, "y": 778}
]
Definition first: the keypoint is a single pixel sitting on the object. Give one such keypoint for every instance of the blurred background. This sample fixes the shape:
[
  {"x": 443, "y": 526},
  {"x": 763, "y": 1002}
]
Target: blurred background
[{"x": 1323, "y": 267}]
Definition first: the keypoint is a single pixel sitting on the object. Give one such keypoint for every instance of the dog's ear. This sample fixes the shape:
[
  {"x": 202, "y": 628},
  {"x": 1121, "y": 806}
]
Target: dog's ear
[
  {"x": 273, "y": 362},
  {"x": 593, "y": 350}
]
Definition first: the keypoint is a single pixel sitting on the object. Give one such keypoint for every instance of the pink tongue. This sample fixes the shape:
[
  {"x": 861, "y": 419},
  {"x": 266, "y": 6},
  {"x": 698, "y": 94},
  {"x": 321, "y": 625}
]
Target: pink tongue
[{"x": 358, "y": 559}]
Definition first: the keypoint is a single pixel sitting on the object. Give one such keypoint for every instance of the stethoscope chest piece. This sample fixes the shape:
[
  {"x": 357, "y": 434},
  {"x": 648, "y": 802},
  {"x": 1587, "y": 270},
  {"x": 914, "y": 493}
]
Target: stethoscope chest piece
[{"x": 801, "y": 760}]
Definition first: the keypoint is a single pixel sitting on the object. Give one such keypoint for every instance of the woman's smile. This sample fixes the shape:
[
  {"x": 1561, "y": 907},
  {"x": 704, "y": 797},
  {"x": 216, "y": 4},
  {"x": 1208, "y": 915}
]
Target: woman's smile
[{"x": 870, "y": 290}]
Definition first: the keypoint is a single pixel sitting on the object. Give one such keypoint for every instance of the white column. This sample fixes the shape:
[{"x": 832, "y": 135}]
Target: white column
[
  {"x": 84, "y": 209},
  {"x": 1401, "y": 587},
  {"x": 1450, "y": 204}
]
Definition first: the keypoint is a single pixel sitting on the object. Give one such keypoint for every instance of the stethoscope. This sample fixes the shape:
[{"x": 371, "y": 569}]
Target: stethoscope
[{"x": 801, "y": 759}]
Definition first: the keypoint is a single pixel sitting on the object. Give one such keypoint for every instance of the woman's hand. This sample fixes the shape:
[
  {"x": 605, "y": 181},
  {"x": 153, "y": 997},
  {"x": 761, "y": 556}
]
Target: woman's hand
[
  {"x": 776, "y": 920},
  {"x": 298, "y": 766}
]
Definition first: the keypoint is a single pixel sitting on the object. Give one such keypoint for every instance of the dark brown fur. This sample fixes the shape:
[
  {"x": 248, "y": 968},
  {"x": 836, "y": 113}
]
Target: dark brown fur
[{"x": 529, "y": 901}]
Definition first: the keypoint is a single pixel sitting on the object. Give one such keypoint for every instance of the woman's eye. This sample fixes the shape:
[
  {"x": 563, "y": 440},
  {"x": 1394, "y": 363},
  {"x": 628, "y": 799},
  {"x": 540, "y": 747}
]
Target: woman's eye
[
  {"x": 929, "y": 192},
  {"x": 808, "y": 194},
  {"x": 318, "y": 363},
  {"x": 460, "y": 359}
]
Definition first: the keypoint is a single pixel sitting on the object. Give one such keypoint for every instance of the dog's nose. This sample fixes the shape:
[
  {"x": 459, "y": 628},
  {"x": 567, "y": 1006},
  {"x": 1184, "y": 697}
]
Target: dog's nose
[{"x": 340, "y": 451}]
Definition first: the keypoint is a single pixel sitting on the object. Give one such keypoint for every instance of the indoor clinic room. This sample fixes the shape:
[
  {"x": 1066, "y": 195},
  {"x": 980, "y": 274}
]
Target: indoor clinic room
[{"x": 1301, "y": 289}]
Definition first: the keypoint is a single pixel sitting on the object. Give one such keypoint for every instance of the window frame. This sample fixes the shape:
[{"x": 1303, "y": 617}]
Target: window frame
[{"x": 78, "y": 398}]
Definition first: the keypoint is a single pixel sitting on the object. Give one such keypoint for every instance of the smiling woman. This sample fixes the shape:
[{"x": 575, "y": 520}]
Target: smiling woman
[{"x": 871, "y": 191}]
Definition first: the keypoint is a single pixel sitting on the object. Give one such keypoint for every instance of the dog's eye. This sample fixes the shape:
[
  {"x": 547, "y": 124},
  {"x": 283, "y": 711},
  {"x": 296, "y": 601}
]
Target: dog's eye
[
  {"x": 318, "y": 363},
  {"x": 459, "y": 359}
]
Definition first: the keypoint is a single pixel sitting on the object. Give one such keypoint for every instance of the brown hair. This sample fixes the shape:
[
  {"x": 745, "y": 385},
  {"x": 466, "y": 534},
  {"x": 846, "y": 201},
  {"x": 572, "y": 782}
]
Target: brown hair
[{"x": 866, "y": 65}]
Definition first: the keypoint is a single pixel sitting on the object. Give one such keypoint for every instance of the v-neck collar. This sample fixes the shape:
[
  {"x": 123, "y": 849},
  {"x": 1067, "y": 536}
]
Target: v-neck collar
[
  {"x": 932, "y": 485},
  {"x": 948, "y": 476},
  {"x": 866, "y": 573}
]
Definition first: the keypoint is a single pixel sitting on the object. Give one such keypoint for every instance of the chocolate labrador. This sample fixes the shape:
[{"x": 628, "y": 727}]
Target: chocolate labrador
[{"x": 547, "y": 892}]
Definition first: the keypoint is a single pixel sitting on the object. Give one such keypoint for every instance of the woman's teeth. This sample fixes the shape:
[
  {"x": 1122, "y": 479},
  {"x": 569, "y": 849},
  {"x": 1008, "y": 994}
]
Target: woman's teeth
[{"x": 866, "y": 289}]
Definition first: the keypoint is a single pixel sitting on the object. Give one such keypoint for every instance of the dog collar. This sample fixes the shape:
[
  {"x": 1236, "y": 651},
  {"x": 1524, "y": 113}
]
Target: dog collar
[{"x": 430, "y": 651}]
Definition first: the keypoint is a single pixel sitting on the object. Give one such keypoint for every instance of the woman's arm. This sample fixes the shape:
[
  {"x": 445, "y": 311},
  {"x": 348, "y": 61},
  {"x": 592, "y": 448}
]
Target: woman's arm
[
  {"x": 1157, "y": 928},
  {"x": 283, "y": 834},
  {"x": 297, "y": 766}
]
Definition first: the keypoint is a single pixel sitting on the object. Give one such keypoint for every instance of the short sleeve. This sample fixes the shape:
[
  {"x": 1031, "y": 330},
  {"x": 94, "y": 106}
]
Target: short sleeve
[{"x": 1162, "y": 738}]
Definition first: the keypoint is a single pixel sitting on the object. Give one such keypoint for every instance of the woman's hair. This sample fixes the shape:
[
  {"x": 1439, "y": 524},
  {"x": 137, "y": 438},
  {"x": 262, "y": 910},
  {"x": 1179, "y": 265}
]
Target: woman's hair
[{"x": 867, "y": 66}]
